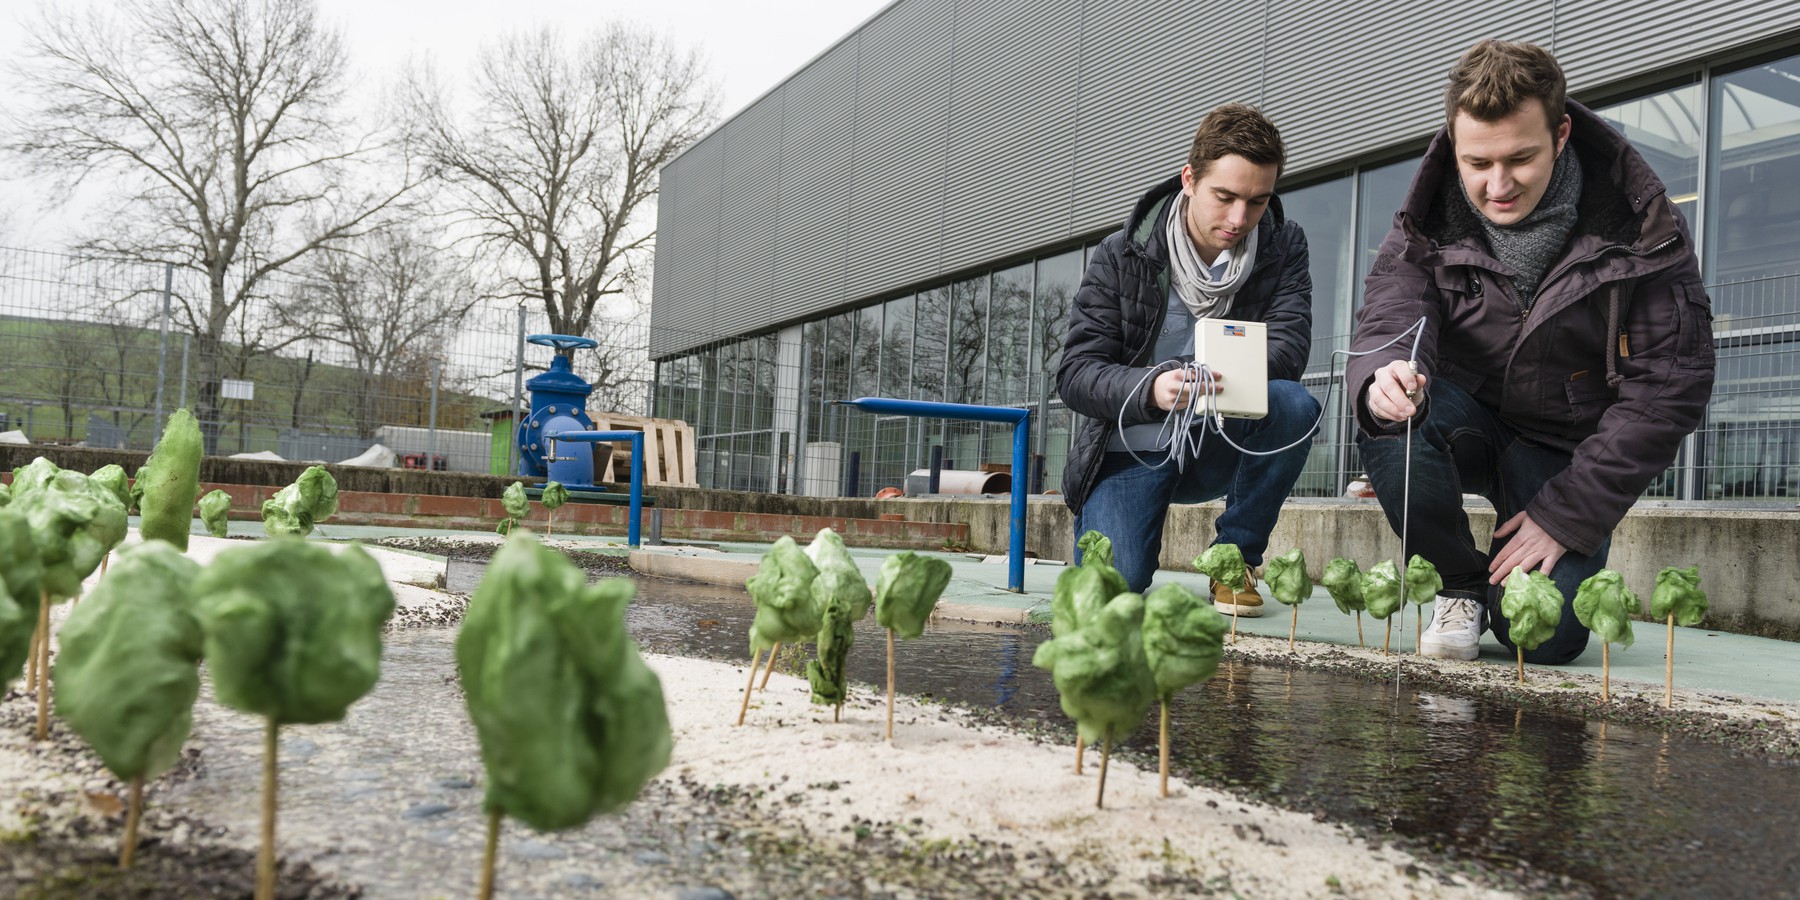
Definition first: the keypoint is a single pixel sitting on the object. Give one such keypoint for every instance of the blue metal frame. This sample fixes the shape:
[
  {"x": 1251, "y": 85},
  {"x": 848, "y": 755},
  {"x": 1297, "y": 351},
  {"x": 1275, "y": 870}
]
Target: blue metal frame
[
  {"x": 633, "y": 528},
  {"x": 1020, "y": 419}
]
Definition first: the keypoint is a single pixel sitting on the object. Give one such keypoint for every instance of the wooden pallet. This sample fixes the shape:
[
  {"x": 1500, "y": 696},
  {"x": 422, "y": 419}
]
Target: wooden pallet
[{"x": 668, "y": 451}]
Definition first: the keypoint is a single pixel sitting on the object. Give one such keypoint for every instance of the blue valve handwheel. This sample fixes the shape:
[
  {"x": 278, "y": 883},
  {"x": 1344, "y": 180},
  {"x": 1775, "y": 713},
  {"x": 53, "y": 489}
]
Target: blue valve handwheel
[{"x": 563, "y": 341}]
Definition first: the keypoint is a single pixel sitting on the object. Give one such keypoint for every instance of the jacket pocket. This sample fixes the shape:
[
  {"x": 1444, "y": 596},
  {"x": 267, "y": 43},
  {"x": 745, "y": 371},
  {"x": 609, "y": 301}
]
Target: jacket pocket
[
  {"x": 1584, "y": 388},
  {"x": 1694, "y": 343}
]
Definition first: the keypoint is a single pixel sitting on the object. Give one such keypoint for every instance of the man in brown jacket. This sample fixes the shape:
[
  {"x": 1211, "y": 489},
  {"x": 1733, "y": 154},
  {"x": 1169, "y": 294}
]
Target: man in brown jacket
[{"x": 1566, "y": 346}]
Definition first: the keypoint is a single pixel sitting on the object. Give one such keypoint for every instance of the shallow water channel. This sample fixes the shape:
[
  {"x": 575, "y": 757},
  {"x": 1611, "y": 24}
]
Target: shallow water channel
[{"x": 1619, "y": 810}]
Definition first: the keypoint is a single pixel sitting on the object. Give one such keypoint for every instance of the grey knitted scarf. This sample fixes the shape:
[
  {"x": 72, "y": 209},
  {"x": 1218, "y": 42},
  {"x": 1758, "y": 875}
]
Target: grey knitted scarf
[
  {"x": 1193, "y": 281},
  {"x": 1530, "y": 246}
]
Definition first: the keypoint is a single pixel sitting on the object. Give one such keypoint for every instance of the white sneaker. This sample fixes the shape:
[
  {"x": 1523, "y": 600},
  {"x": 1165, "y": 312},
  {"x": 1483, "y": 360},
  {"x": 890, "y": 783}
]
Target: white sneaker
[{"x": 1455, "y": 629}]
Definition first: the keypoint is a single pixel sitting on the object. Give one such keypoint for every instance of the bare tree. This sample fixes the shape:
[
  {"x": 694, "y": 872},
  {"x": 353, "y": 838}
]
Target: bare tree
[
  {"x": 221, "y": 122},
  {"x": 560, "y": 156},
  {"x": 391, "y": 299}
]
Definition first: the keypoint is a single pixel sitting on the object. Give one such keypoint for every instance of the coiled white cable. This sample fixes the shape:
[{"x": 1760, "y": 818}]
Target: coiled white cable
[{"x": 1184, "y": 441}]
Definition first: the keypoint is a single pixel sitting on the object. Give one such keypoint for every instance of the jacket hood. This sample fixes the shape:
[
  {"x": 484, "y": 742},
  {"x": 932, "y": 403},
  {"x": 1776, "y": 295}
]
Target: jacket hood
[
  {"x": 1622, "y": 199},
  {"x": 1147, "y": 232}
]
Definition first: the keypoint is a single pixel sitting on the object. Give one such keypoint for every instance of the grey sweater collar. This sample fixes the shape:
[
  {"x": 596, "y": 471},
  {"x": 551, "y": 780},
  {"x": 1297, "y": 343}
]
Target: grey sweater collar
[{"x": 1530, "y": 246}]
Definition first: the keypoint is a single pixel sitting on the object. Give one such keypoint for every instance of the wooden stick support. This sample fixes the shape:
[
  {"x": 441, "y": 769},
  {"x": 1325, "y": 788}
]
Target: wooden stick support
[
  {"x": 1669, "y": 668},
  {"x": 755, "y": 661},
  {"x": 1419, "y": 633},
  {"x": 1080, "y": 748},
  {"x": 43, "y": 682},
  {"x": 1163, "y": 747},
  {"x": 1105, "y": 757},
  {"x": 1521, "y": 662},
  {"x": 1605, "y": 672},
  {"x": 31, "y": 673},
  {"x": 487, "y": 858},
  {"x": 1234, "y": 618},
  {"x": 890, "y": 721},
  {"x": 1292, "y": 625},
  {"x": 771, "y": 667},
  {"x": 1389, "y": 637},
  {"x": 265, "y": 857},
  {"x": 132, "y": 813},
  {"x": 1359, "y": 637}
]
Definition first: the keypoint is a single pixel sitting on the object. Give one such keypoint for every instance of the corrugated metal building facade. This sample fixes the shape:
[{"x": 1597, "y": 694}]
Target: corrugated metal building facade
[{"x": 907, "y": 215}]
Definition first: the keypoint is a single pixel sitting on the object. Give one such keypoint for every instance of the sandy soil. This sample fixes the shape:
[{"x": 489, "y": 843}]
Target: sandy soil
[{"x": 949, "y": 779}]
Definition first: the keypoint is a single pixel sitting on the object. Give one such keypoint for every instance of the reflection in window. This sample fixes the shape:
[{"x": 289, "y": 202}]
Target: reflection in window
[
  {"x": 1380, "y": 191},
  {"x": 1323, "y": 212},
  {"x": 1009, "y": 337},
  {"x": 967, "y": 373},
  {"x": 1054, "y": 293},
  {"x": 1665, "y": 129},
  {"x": 893, "y": 433},
  {"x": 1753, "y": 208}
]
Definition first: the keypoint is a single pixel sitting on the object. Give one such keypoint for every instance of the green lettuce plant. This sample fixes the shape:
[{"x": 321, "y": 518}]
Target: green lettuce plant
[
  {"x": 1183, "y": 640},
  {"x": 165, "y": 487},
  {"x": 785, "y": 607},
  {"x": 1532, "y": 606},
  {"x": 1102, "y": 674},
  {"x": 1287, "y": 580},
  {"x": 293, "y": 634},
  {"x": 21, "y": 593},
  {"x": 1382, "y": 596},
  {"x": 906, "y": 592},
  {"x": 517, "y": 506},
  {"x": 1603, "y": 605},
  {"x": 129, "y": 669},
  {"x": 1080, "y": 592},
  {"x": 1676, "y": 599},
  {"x": 1224, "y": 564},
  {"x": 1343, "y": 580},
  {"x": 74, "y": 524},
  {"x": 214, "y": 508},
  {"x": 1422, "y": 585},
  {"x": 844, "y": 598},
  {"x": 554, "y": 496},
  {"x": 295, "y": 509},
  {"x": 572, "y": 723}
]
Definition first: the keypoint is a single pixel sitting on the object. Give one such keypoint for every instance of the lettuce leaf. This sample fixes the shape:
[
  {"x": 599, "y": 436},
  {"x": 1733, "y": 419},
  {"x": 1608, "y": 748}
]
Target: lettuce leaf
[
  {"x": 1286, "y": 577},
  {"x": 1603, "y": 605},
  {"x": 1183, "y": 637},
  {"x": 1678, "y": 592},
  {"x": 1344, "y": 581},
  {"x": 1532, "y": 606},
  {"x": 168, "y": 483},
  {"x": 908, "y": 590}
]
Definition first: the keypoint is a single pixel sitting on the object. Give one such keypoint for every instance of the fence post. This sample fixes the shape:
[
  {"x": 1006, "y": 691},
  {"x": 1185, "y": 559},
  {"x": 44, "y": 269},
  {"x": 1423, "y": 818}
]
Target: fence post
[
  {"x": 162, "y": 346},
  {"x": 518, "y": 418},
  {"x": 431, "y": 439}
]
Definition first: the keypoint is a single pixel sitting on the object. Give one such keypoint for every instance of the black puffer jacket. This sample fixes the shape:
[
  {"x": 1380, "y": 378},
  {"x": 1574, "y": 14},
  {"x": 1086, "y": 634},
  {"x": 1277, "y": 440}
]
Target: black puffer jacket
[
  {"x": 1613, "y": 363},
  {"x": 1119, "y": 310}
]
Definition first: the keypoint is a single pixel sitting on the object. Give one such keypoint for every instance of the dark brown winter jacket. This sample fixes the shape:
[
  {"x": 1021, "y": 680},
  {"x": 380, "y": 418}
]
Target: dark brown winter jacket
[{"x": 1614, "y": 361}]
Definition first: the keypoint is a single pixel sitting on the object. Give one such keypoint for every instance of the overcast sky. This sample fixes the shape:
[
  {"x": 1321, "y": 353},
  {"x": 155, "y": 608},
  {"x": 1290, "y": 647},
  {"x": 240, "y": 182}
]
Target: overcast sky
[{"x": 749, "y": 48}]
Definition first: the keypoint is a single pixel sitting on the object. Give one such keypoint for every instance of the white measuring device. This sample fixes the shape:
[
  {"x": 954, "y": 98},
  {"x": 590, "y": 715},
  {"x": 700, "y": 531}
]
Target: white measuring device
[{"x": 1237, "y": 353}]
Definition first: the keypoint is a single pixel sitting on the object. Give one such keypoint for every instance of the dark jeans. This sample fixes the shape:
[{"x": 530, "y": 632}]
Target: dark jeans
[
  {"x": 1461, "y": 446},
  {"x": 1130, "y": 502}
]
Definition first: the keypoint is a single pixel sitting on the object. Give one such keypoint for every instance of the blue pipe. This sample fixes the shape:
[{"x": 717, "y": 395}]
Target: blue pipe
[
  {"x": 633, "y": 528},
  {"x": 1020, "y": 419}
]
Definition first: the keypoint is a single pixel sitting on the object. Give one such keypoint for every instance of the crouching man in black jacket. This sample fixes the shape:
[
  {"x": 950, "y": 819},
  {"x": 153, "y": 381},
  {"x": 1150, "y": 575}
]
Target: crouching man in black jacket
[{"x": 1209, "y": 243}]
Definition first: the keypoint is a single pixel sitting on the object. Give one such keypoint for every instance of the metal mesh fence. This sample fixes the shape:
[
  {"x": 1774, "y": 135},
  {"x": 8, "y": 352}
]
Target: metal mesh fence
[{"x": 96, "y": 350}]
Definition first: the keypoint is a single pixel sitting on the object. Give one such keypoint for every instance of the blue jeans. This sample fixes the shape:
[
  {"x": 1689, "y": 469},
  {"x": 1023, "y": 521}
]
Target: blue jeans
[
  {"x": 1130, "y": 502},
  {"x": 1461, "y": 446}
]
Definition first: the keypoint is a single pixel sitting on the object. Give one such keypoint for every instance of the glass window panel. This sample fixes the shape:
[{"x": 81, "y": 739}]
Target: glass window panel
[
  {"x": 1665, "y": 128},
  {"x": 966, "y": 378},
  {"x": 813, "y": 398},
  {"x": 1323, "y": 212},
  {"x": 1753, "y": 204},
  {"x": 1053, "y": 295},
  {"x": 1009, "y": 337},
  {"x": 865, "y": 382},
  {"x": 1381, "y": 191},
  {"x": 893, "y": 446}
]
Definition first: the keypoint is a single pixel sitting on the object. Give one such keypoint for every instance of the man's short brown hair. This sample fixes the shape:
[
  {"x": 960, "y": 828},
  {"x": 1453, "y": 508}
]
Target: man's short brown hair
[
  {"x": 1494, "y": 78},
  {"x": 1241, "y": 129}
]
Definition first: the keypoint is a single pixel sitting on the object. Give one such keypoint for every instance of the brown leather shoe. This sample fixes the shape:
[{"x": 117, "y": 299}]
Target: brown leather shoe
[{"x": 1246, "y": 603}]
